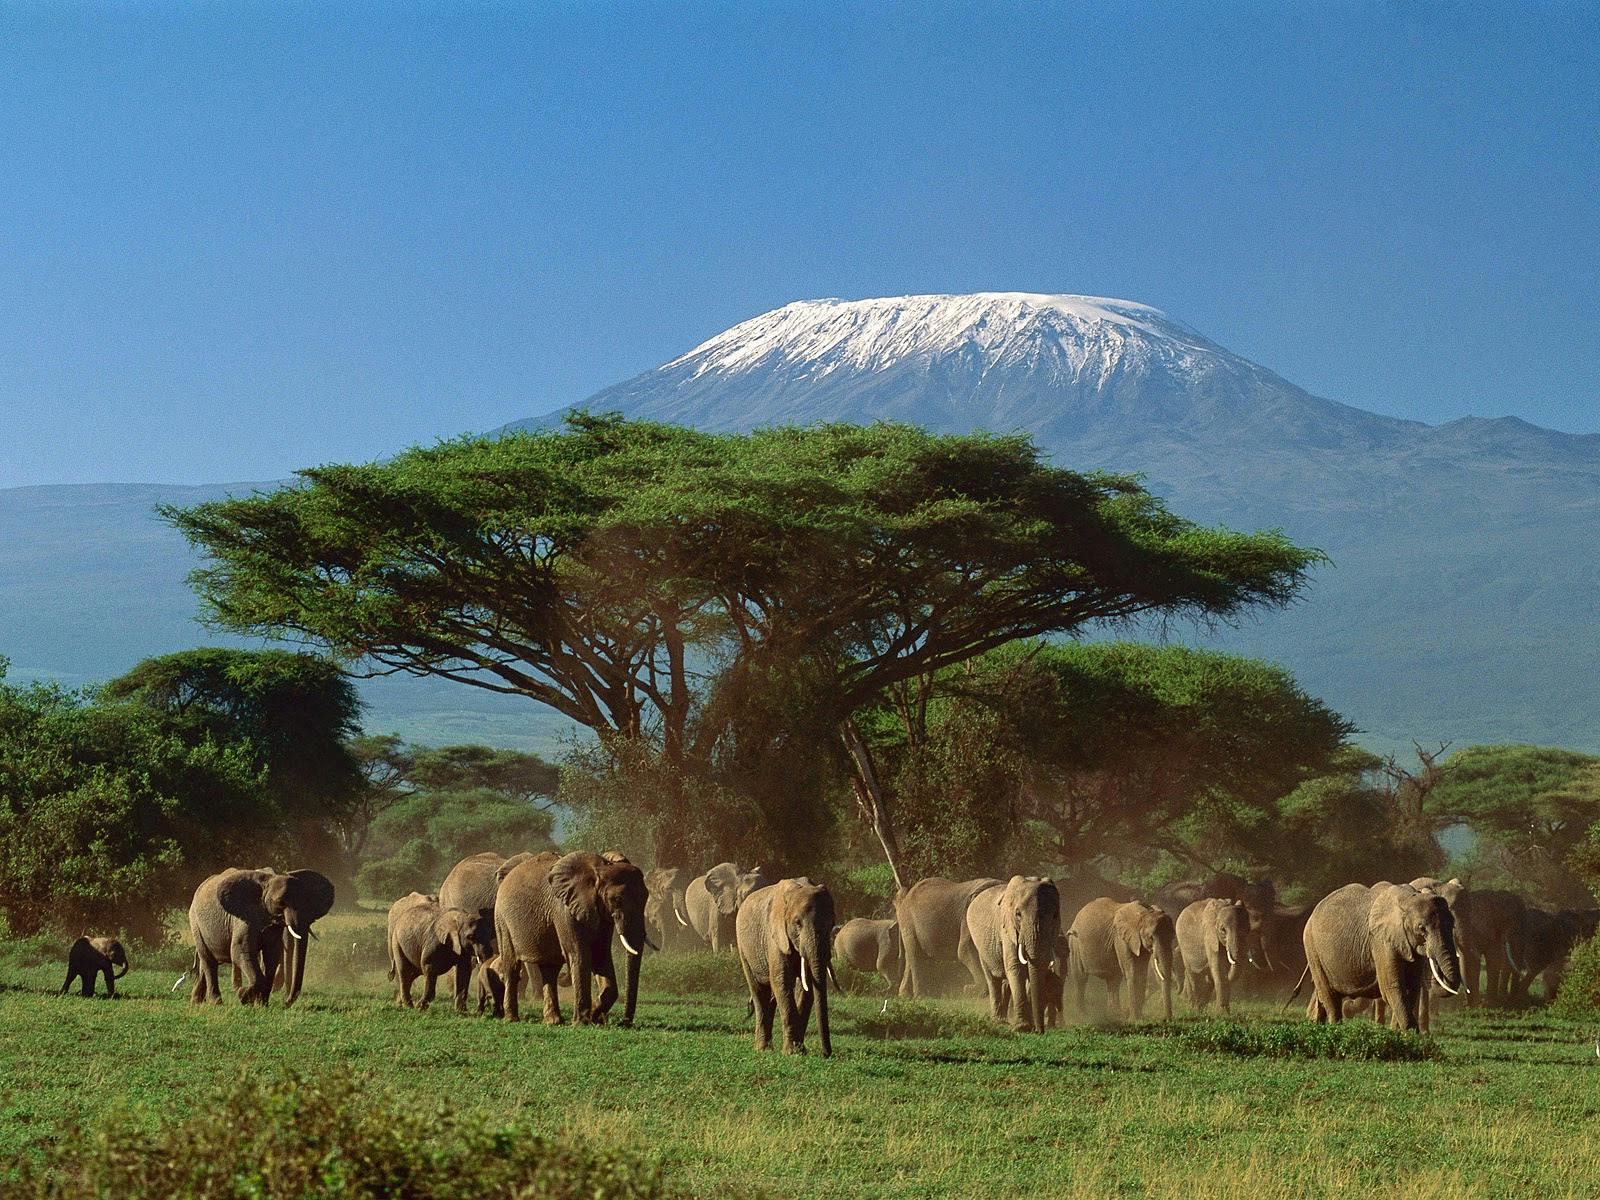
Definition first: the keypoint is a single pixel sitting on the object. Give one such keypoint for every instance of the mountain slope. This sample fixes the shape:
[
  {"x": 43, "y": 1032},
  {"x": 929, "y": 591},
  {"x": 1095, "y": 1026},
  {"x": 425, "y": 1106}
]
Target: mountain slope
[{"x": 1461, "y": 602}]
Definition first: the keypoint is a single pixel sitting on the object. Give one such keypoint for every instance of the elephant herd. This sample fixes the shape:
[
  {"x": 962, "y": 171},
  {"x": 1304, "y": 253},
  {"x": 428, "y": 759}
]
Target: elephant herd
[{"x": 551, "y": 919}]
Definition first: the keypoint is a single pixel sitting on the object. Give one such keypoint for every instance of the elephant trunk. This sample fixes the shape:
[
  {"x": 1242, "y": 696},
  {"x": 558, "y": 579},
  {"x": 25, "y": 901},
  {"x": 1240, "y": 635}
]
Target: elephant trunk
[
  {"x": 295, "y": 968},
  {"x": 1444, "y": 962},
  {"x": 1163, "y": 964},
  {"x": 121, "y": 973},
  {"x": 815, "y": 959},
  {"x": 1036, "y": 993},
  {"x": 630, "y": 988}
]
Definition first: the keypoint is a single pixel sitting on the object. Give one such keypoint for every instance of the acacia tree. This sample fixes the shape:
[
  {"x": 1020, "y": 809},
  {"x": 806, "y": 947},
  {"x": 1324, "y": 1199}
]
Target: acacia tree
[{"x": 643, "y": 579}]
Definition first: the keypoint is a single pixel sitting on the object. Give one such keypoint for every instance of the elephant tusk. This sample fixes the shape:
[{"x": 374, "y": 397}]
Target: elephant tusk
[
  {"x": 626, "y": 944},
  {"x": 179, "y": 984},
  {"x": 1022, "y": 959},
  {"x": 1439, "y": 979},
  {"x": 293, "y": 934},
  {"x": 681, "y": 921},
  {"x": 1156, "y": 963},
  {"x": 1512, "y": 959},
  {"x": 1232, "y": 962},
  {"x": 804, "y": 983}
]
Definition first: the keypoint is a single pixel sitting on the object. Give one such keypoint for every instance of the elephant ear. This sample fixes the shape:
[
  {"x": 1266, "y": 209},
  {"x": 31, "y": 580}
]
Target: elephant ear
[
  {"x": 1386, "y": 921},
  {"x": 240, "y": 896},
  {"x": 778, "y": 917},
  {"x": 311, "y": 893},
  {"x": 575, "y": 884}
]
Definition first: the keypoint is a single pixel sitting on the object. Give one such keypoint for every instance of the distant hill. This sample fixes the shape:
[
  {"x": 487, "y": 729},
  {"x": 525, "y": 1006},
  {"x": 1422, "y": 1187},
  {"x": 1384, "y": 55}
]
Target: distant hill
[{"x": 91, "y": 581}]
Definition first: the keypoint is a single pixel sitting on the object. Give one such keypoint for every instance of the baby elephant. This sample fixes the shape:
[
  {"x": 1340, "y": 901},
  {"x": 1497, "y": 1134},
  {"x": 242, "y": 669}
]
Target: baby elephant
[
  {"x": 95, "y": 956},
  {"x": 429, "y": 940}
]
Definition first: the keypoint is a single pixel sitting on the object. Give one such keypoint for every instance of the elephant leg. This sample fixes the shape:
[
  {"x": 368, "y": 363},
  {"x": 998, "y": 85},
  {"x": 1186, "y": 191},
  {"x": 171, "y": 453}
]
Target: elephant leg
[
  {"x": 111, "y": 982},
  {"x": 997, "y": 997},
  {"x": 1402, "y": 1010},
  {"x": 582, "y": 988},
  {"x": 87, "y": 985},
  {"x": 605, "y": 969},
  {"x": 1219, "y": 981},
  {"x": 967, "y": 953},
  {"x": 1021, "y": 1013},
  {"x": 549, "y": 989},
  {"x": 430, "y": 987},
  {"x": 1331, "y": 1006},
  {"x": 463, "y": 971},
  {"x": 783, "y": 988},
  {"x": 511, "y": 971},
  {"x": 766, "y": 1003},
  {"x": 910, "y": 977},
  {"x": 1080, "y": 992}
]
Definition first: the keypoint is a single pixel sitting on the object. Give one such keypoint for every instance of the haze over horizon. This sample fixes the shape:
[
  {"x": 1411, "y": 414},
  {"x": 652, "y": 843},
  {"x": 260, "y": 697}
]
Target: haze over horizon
[{"x": 245, "y": 241}]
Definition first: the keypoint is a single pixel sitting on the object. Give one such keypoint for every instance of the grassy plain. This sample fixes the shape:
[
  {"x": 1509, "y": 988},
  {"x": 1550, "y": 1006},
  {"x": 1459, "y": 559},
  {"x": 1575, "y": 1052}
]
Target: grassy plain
[{"x": 930, "y": 1101}]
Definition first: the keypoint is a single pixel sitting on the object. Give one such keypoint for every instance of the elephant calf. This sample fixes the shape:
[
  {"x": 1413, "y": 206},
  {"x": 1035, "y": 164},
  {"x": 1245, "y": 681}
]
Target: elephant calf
[
  {"x": 90, "y": 957},
  {"x": 784, "y": 934},
  {"x": 871, "y": 946},
  {"x": 427, "y": 939}
]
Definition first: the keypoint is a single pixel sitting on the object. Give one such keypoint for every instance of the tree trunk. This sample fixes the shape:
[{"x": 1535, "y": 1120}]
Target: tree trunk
[{"x": 869, "y": 796}]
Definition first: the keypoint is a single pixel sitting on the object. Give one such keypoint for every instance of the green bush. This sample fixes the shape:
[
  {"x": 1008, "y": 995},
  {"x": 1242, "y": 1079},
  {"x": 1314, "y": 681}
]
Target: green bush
[
  {"x": 1579, "y": 994},
  {"x": 323, "y": 1137},
  {"x": 1363, "y": 1040}
]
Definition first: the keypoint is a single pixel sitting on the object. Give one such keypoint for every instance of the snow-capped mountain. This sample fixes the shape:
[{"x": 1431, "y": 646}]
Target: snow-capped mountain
[
  {"x": 994, "y": 360},
  {"x": 1461, "y": 597}
]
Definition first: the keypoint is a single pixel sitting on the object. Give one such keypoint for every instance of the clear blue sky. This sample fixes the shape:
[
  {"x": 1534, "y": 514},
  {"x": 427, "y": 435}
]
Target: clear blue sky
[{"x": 234, "y": 241}]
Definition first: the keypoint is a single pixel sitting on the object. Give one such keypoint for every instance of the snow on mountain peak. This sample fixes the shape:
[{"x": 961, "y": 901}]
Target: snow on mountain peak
[{"x": 1067, "y": 333}]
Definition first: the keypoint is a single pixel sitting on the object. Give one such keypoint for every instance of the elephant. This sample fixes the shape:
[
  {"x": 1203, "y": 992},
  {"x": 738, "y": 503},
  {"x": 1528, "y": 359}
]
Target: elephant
[
  {"x": 712, "y": 900},
  {"x": 427, "y": 939},
  {"x": 1052, "y": 983},
  {"x": 871, "y": 945},
  {"x": 491, "y": 987},
  {"x": 784, "y": 934},
  {"x": 553, "y": 910},
  {"x": 1540, "y": 947},
  {"x": 240, "y": 917},
  {"x": 472, "y": 882},
  {"x": 90, "y": 957},
  {"x": 1489, "y": 919},
  {"x": 1211, "y": 939},
  {"x": 1014, "y": 930},
  {"x": 1120, "y": 942},
  {"x": 665, "y": 912},
  {"x": 1372, "y": 943},
  {"x": 932, "y": 915}
]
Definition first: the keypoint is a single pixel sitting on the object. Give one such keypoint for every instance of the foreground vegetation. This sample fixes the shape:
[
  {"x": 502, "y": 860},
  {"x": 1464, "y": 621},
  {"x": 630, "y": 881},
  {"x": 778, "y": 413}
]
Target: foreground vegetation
[{"x": 927, "y": 1100}]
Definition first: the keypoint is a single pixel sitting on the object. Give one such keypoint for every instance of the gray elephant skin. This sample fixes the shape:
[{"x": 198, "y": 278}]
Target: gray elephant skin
[
  {"x": 243, "y": 918},
  {"x": 1120, "y": 943},
  {"x": 473, "y": 881},
  {"x": 666, "y": 913},
  {"x": 1014, "y": 930},
  {"x": 712, "y": 901},
  {"x": 429, "y": 940},
  {"x": 1211, "y": 942},
  {"x": 932, "y": 915},
  {"x": 869, "y": 946},
  {"x": 1380, "y": 943},
  {"x": 553, "y": 910},
  {"x": 784, "y": 935},
  {"x": 89, "y": 958}
]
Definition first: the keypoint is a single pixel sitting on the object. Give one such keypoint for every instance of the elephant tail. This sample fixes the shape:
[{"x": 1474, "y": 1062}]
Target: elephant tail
[{"x": 1298, "y": 984}]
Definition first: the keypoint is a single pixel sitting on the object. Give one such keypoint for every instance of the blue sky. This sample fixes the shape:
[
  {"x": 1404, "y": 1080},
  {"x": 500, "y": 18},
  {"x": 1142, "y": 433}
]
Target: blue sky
[{"x": 238, "y": 240}]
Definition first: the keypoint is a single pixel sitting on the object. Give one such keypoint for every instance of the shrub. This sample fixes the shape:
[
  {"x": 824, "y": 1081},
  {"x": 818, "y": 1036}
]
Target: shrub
[
  {"x": 1363, "y": 1040},
  {"x": 1579, "y": 994},
  {"x": 324, "y": 1137}
]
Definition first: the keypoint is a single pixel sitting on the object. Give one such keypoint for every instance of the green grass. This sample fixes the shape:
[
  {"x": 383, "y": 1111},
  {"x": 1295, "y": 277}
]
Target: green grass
[{"x": 928, "y": 1100}]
